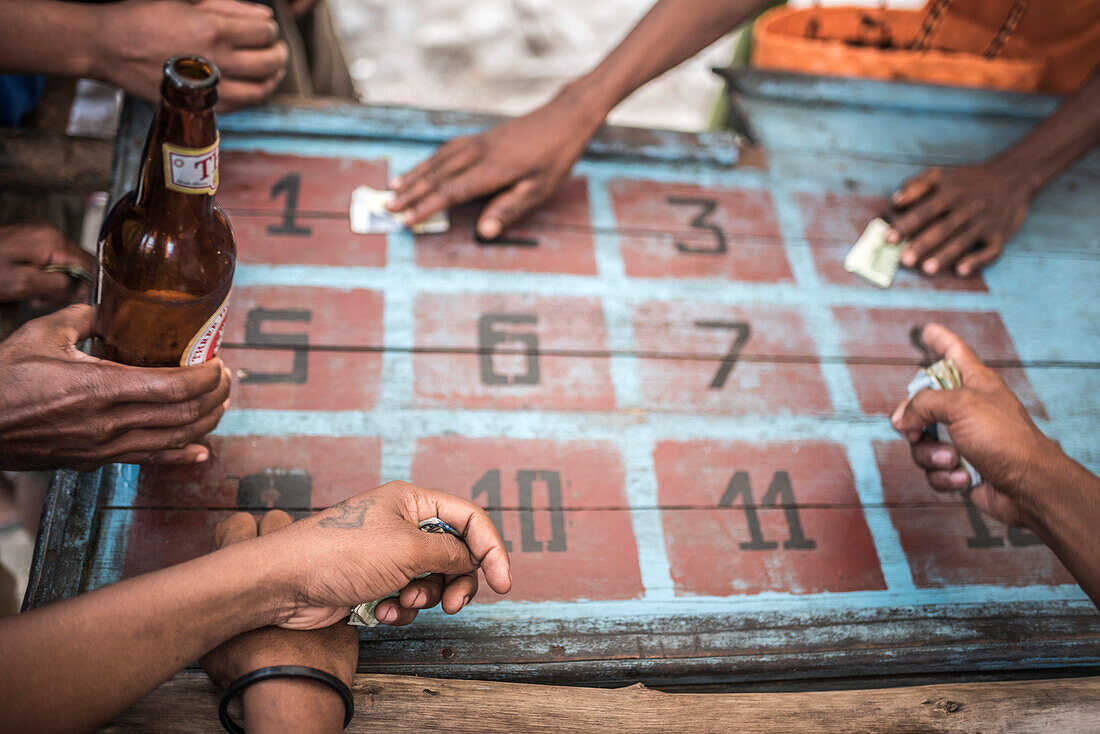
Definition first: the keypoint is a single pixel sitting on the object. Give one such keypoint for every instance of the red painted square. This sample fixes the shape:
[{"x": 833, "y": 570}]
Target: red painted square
[
  {"x": 555, "y": 238},
  {"x": 567, "y": 520},
  {"x": 290, "y": 472},
  {"x": 949, "y": 545},
  {"x": 869, "y": 335},
  {"x": 686, "y": 231},
  {"x": 775, "y": 370},
  {"x": 511, "y": 331},
  {"x": 293, "y": 209},
  {"x": 702, "y": 486},
  {"x": 330, "y": 241},
  {"x": 289, "y": 375},
  {"x": 833, "y": 223},
  {"x": 162, "y": 538}
]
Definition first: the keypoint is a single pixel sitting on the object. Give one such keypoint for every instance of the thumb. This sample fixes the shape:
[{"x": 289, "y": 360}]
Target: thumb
[
  {"x": 946, "y": 343},
  {"x": 69, "y": 326},
  {"x": 924, "y": 409},
  {"x": 234, "y": 8},
  {"x": 442, "y": 553},
  {"x": 506, "y": 208}
]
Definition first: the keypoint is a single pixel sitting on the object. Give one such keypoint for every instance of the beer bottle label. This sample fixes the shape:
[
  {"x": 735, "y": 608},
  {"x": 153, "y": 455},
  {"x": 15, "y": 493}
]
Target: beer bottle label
[
  {"x": 204, "y": 345},
  {"x": 191, "y": 170}
]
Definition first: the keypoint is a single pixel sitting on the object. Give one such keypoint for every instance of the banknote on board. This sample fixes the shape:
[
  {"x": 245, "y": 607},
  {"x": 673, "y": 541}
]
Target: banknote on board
[
  {"x": 872, "y": 257},
  {"x": 369, "y": 215}
]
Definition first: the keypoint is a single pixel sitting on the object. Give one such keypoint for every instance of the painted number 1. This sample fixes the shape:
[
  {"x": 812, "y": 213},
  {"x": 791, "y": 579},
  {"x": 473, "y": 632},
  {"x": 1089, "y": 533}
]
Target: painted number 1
[
  {"x": 983, "y": 538},
  {"x": 290, "y": 185}
]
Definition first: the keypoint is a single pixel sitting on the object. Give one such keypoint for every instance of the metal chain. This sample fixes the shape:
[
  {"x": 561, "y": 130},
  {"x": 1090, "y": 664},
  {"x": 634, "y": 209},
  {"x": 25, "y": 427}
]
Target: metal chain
[
  {"x": 936, "y": 14},
  {"x": 1007, "y": 28},
  {"x": 929, "y": 25}
]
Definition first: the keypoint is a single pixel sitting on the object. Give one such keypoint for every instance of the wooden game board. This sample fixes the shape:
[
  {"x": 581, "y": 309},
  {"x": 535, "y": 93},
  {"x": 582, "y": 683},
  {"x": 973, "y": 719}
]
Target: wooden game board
[{"x": 663, "y": 386}]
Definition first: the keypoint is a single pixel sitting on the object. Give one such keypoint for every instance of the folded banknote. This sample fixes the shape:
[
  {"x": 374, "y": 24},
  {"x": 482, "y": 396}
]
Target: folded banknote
[
  {"x": 363, "y": 614},
  {"x": 872, "y": 257},
  {"x": 369, "y": 215},
  {"x": 943, "y": 375}
]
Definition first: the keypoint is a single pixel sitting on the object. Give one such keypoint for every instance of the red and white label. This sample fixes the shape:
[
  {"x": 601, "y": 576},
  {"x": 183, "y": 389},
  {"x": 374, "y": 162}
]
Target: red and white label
[
  {"x": 191, "y": 170},
  {"x": 204, "y": 345}
]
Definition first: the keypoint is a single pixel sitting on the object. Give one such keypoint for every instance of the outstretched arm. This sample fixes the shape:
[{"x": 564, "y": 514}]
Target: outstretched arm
[
  {"x": 527, "y": 158},
  {"x": 100, "y": 652},
  {"x": 1027, "y": 479},
  {"x": 126, "y": 43},
  {"x": 962, "y": 218}
]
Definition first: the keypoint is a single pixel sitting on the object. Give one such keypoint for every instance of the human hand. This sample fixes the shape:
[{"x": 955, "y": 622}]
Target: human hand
[
  {"x": 988, "y": 425},
  {"x": 959, "y": 218},
  {"x": 524, "y": 159},
  {"x": 60, "y": 407},
  {"x": 369, "y": 546},
  {"x": 301, "y": 8},
  {"x": 241, "y": 38},
  {"x": 282, "y": 704},
  {"x": 27, "y": 248}
]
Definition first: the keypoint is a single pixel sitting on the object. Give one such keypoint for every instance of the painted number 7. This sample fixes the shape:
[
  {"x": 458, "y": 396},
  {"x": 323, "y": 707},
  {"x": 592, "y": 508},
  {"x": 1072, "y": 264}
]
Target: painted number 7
[{"x": 741, "y": 331}]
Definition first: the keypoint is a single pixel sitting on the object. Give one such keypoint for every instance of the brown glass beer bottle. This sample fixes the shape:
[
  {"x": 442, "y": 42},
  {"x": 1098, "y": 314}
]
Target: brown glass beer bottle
[{"x": 167, "y": 251}]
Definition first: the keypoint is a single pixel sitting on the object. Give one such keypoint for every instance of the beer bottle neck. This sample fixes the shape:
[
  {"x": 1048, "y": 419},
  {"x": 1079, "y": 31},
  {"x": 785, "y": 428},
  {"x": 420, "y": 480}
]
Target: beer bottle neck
[{"x": 180, "y": 172}]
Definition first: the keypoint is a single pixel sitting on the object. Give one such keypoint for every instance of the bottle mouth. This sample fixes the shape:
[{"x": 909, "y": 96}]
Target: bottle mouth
[{"x": 190, "y": 73}]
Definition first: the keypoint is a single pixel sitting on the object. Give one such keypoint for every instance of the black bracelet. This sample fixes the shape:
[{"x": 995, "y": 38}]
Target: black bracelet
[{"x": 282, "y": 671}]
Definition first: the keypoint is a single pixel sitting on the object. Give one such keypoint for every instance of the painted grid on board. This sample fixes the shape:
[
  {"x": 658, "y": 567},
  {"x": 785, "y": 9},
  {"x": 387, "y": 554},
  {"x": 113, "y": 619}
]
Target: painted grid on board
[{"x": 634, "y": 466}]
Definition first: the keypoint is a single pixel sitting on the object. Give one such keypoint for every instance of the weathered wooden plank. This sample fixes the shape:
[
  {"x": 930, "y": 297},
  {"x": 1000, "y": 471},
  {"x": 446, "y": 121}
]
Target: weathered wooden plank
[
  {"x": 64, "y": 543},
  {"x": 419, "y": 125},
  {"x": 840, "y": 91},
  {"x": 843, "y": 117},
  {"x": 36, "y": 160},
  {"x": 188, "y": 703}
]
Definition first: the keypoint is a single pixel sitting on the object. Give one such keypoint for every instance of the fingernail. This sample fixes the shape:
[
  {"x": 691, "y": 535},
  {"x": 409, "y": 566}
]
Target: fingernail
[
  {"x": 963, "y": 271},
  {"x": 931, "y": 266},
  {"x": 896, "y": 196},
  {"x": 202, "y": 456},
  {"x": 908, "y": 259},
  {"x": 959, "y": 478},
  {"x": 895, "y": 419},
  {"x": 465, "y": 601},
  {"x": 389, "y": 614},
  {"x": 395, "y": 182},
  {"x": 942, "y": 457},
  {"x": 892, "y": 236},
  {"x": 419, "y": 599},
  {"x": 490, "y": 229},
  {"x": 406, "y": 215}
]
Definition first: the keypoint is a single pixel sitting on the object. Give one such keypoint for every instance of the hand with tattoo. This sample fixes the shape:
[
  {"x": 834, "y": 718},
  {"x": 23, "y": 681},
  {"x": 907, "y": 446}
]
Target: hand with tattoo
[{"x": 368, "y": 547}]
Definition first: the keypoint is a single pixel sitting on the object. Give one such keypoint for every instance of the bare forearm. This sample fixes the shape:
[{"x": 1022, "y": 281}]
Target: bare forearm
[
  {"x": 1055, "y": 143},
  {"x": 101, "y": 652},
  {"x": 283, "y": 705},
  {"x": 671, "y": 32},
  {"x": 1063, "y": 507},
  {"x": 46, "y": 37}
]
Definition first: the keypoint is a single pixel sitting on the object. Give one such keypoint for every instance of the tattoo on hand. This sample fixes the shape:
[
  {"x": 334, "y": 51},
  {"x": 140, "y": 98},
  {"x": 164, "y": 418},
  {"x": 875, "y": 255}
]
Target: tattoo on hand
[{"x": 348, "y": 516}]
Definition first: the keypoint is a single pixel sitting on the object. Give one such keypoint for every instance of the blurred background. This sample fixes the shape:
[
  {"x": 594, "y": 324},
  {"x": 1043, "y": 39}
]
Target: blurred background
[{"x": 508, "y": 56}]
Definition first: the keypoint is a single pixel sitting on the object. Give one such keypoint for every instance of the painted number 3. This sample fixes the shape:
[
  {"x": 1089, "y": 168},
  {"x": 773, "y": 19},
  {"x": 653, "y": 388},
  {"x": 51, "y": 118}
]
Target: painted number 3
[{"x": 702, "y": 222}]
